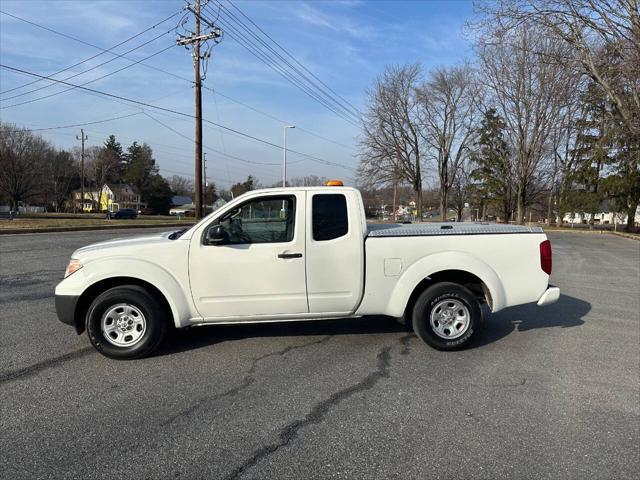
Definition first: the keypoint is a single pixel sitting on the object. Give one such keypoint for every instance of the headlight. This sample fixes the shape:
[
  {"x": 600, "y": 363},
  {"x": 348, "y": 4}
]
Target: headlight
[{"x": 74, "y": 266}]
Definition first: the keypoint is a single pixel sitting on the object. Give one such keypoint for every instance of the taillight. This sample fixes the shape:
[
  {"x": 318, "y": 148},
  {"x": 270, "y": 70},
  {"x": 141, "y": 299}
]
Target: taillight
[{"x": 545, "y": 257}]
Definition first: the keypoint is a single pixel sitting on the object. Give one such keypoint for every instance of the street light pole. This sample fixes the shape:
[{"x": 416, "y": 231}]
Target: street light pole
[{"x": 284, "y": 155}]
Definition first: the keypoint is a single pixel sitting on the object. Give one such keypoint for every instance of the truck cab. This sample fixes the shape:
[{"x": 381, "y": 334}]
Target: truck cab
[{"x": 280, "y": 254}]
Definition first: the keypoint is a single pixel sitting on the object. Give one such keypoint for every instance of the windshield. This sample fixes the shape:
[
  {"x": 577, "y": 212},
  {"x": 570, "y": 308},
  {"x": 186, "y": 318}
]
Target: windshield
[{"x": 178, "y": 233}]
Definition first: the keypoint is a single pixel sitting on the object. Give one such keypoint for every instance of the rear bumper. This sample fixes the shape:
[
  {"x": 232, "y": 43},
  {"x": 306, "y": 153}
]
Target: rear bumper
[
  {"x": 66, "y": 308},
  {"x": 551, "y": 295}
]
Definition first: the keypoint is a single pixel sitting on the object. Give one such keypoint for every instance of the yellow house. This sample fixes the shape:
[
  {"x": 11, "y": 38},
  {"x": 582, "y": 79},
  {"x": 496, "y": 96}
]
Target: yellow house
[{"x": 108, "y": 198}]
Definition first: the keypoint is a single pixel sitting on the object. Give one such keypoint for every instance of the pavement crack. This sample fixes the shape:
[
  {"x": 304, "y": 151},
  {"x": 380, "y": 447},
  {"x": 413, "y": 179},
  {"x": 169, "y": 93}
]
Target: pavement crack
[
  {"x": 34, "y": 369},
  {"x": 247, "y": 380},
  {"x": 405, "y": 342},
  {"x": 317, "y": 414}
]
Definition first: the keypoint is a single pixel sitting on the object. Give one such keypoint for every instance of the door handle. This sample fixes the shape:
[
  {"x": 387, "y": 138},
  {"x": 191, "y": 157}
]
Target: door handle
[{"x": 289, "y": 255}]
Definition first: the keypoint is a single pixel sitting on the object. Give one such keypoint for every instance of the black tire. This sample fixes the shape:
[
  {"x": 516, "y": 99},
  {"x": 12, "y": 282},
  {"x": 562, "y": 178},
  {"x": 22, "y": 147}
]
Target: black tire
[
  {"x": 436, "y": 296},
  {"x": 154, "y": 315}
]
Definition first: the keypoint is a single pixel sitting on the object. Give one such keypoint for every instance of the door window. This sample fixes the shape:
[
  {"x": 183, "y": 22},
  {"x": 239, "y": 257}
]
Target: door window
[
  {"x": 262, "y": 220},
  {"x": 329, "y": 216}
]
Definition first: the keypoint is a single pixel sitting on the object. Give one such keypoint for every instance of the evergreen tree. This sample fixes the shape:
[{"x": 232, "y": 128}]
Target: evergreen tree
[
  {"x": 113, "y": 150},
  {"x": 114, "y": 146},
  {"x": 242, "y": 187},
  {"x": 140, "y": 165},
  {"x": 157, "y": 193},
  {"x": 493, "y": 169}
]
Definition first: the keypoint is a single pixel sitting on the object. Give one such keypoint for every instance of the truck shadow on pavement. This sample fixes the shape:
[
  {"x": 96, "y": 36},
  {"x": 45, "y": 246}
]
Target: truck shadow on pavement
[
  {"x": 198, "y": 337},
  {"x": 566, "y": 312}
]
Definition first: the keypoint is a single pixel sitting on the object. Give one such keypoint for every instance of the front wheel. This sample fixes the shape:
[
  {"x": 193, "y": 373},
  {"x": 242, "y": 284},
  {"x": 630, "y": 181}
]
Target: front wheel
[
  {"x": 446, "y": 316},
  {"x": 126, "y": 322}
]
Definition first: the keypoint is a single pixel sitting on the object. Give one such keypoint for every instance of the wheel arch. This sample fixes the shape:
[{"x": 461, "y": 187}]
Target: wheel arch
[
  {"x": 460, "y": 277},
  {"x": 456, "y": 267},
  {"x": 91, "y": 293}
]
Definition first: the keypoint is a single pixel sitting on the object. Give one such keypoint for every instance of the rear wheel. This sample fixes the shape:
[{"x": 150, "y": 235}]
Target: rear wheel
[
  {"x": 126, "y": 322},
  {"x": 446, "y": 316}
]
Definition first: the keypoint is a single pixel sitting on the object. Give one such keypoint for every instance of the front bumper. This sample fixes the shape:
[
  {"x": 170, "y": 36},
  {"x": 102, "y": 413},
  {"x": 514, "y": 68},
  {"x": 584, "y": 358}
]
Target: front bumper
[
  {"x": 551, "y": 295},
  {"x": 66, "y": 308}
]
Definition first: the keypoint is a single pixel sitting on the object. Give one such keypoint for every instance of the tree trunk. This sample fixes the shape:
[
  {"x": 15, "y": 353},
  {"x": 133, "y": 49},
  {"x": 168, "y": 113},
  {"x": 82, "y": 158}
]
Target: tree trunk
[
  {"x": 520, "y": 206},
  {"x": 443, "y": 208},
  {"x": 419, "y": 202},
  {"x": 631, "y": 219},
  {"x": 506, "y": 210}
]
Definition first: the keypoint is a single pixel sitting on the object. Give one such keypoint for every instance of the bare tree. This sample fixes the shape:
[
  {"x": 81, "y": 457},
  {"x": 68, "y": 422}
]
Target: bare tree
[
  {"x": 307, "y": 181},
  {"x": 529, "y": 95},
  {"x": 181, "y": 185},
  {"x": 564, "y": 145},
  {"x": 61, "y": 174},
  {"x": 391, "y": 143},
  {"x": 449, "y": 102},
  {"x": 588, "y": 28},
  {"x": 22, "y": 156},
  {"x": 461, "y": 189}
]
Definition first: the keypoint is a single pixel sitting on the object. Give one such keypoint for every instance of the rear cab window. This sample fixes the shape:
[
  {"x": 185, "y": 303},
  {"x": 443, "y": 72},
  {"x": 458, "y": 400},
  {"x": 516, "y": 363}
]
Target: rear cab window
[{"x": 329, "y": 216}]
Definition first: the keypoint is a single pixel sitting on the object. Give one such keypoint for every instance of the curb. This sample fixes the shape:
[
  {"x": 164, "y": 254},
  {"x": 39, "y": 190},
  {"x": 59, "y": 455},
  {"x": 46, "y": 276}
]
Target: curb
[
  {"x": 13, "y": 231},
  {"x": 626, "y": 235},
  {"x": 629, "y": 236}
]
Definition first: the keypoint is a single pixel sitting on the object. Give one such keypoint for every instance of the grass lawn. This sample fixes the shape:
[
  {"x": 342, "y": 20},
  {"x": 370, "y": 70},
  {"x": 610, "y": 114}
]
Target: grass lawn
[{"x": 71, "y": 221}]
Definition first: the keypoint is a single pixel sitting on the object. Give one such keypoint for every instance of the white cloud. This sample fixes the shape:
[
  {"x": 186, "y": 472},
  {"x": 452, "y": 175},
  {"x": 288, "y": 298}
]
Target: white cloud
[{"x": 337, "y": 23}]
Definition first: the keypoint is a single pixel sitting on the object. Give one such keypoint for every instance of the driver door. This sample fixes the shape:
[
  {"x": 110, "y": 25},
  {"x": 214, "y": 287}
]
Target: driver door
[{"x": 256, "y": 267}]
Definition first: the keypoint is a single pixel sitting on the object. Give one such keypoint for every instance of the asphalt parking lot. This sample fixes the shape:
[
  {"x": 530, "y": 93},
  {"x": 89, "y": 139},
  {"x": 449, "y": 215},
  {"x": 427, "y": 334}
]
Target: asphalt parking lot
[{"x": 543, "y": 393}]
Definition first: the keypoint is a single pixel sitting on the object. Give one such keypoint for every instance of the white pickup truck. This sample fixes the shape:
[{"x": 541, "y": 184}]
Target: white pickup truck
[{"x": 288, "y": 254}]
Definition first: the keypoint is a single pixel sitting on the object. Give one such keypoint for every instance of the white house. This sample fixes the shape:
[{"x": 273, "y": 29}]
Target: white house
[{"x": 603, "y": 216}]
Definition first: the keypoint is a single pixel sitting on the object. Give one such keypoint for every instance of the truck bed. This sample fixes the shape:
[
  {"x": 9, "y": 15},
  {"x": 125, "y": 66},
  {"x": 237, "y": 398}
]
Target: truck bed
[{"x": 449, "y": 228}]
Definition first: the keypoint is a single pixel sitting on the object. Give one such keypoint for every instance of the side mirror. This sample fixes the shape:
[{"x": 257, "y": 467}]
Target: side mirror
[{"x": 217, "y": 235}]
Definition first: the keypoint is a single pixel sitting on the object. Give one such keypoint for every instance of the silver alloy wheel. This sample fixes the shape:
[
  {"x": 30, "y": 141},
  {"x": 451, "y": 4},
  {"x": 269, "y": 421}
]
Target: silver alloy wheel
[
  {"x": 123, "y": 325},
  {"x": 450, "y": 319}
]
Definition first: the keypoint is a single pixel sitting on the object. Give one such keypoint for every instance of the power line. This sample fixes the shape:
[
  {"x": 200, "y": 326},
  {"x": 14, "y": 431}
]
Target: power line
[
  {"x": 294, "y": 75},
  {"x": 268, "y": 60},
  {"x": 209, "y": 148},
  {"x": 286, "y": 75},
  {"x": 152, "y": 67},
  {"x": 355, "y": 109},
  {"x": 91, "y": 44},
  {"x": 272, "y": 117},
  {"x": 92, "y": 68},
  {"x": 89, "y": 58},
  {"x": 156, "y": 107},
  {"x": 265, "y": 171},
  {"x": 90, "y": 81},
  {"x": 86, "y": 123},
  {"x": 323, "y": 89}
]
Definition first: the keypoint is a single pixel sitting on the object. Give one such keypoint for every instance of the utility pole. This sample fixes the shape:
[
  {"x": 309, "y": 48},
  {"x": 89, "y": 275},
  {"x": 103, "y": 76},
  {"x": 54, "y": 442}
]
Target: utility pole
[
  {"x": 82, "y": 138},
  {"x": 204, "y": 183},
  {"x": 196, "y": 39}
]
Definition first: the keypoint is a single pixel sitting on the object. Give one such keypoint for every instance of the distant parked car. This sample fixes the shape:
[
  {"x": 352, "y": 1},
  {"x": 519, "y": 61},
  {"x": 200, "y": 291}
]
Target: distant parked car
[
  {"x": 147, "y": 211},
  {"x": 126, "y": 213},
  {"x": 179, "y": 211}
]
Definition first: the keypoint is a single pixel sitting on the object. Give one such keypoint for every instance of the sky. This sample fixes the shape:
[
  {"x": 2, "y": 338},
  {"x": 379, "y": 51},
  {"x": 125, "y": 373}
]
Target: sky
[{"x": 345, "y": 44}]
